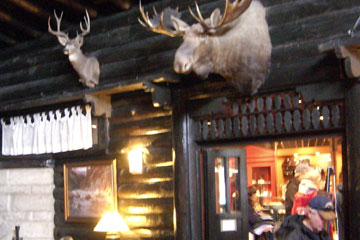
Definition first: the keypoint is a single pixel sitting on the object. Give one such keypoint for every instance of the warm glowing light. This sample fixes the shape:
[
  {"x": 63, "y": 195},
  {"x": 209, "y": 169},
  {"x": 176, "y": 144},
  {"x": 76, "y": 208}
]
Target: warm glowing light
[
  {"x": 296, "y": 155},
  {"x": 140, "y": 210},
  {"x": 321, "y": 118},
  {"x": 163, "y": 164},
  {"x": 135, "y": 158},
  {"x": 93, "y": 126},
  {"x": 317, "y": 153},
  {"x": 111, "y": 223}
]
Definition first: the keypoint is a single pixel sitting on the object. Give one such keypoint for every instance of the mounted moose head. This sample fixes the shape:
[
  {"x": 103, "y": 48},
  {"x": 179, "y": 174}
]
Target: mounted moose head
[
  {"x": 87, "y": 67},
  {"x": 235, "y": 45}
]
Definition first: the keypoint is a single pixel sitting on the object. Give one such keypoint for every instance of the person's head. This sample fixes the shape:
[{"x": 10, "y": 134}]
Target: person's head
[
  {"x": 252, "y": 195},
  {"x": 301, "y": 169},
  {"x": 319, "y": 210},
  {"x": 314, "y": 176}
]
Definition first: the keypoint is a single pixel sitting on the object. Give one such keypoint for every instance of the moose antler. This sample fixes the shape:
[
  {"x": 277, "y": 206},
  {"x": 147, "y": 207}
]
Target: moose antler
[
  {"x": 231, "y": 12},
  {"x": 58, "y": 22},
  {"x": 87, "y": 24},
  {"x": 156, "y": 24}
]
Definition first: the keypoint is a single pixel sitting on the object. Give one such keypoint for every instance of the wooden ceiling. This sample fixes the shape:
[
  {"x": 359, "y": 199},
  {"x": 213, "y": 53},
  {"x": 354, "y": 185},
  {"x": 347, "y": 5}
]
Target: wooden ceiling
[{"x": 25, "y": 20}]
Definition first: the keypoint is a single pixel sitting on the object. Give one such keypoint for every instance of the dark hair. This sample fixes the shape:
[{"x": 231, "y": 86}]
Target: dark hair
[{"x": 251, "y": 190}]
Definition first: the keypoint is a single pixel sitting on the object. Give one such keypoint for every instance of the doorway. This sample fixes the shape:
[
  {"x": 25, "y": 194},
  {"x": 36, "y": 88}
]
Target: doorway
[
  {"x": 225, "y": 194},
  {"x": 268, "y": 166}
]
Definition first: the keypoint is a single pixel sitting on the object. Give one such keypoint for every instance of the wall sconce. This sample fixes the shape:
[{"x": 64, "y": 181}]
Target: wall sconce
[
  {"x": 111, "y": 223},
  {"x": 135, "y": 158}
]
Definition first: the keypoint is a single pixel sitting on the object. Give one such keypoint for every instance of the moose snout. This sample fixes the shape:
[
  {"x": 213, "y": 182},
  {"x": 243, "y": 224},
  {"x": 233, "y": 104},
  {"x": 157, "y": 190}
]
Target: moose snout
[{"x": 182, "y": 65}]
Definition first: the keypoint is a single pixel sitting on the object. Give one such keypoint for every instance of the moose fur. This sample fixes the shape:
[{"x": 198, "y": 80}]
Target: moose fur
[{"x": 240, "y": 50}]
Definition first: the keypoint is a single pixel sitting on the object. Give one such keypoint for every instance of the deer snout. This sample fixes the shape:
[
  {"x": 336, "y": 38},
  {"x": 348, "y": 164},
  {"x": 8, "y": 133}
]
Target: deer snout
[{"x": 66, "y": 51}]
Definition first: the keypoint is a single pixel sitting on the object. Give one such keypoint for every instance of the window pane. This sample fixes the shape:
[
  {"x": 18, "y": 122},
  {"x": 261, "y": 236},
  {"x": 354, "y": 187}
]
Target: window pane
[
  {"x": 220, "y": 185},
  {"x": 234, "y": 184}
]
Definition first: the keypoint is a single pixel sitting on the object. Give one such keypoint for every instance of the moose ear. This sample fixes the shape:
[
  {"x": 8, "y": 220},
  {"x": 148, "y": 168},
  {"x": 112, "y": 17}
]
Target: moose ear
[
  {"x": 62, "y": 40},
  {"x": 215, "y": 17},
  {"x": 179, "y": 25}
]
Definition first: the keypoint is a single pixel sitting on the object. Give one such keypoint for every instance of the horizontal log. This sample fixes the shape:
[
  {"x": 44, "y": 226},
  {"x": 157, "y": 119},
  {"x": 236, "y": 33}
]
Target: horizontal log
[
  {"x": 119, "y": 101},
  {"x": 295, "y": 10},
  {"x": 309, "y": 29},
  {"x": 142, "y": 127},
  {"x": 315, "y": 69},
  {"x": 149, "y": 191},
  {"x": 149, "y": 234},
  {"x": 58, "y": 179},
  {"x": 58, "y": 193},
  {"x": 59, "y": 206},
  {"x": 141, "y": 113},
  {"x": 158, "y": 221},
  {"x": 26, "y": 161},
  {"x": 149, "y": 175},
  {"x": 37, "y": 72},
  {"x": 145, "y": 206},
  {"x": 118, "y": 143},
  {"x": 78, "y": 233}
]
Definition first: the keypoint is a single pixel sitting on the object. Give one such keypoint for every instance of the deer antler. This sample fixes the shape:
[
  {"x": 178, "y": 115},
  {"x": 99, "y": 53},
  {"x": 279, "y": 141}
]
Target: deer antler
[
  {"x": 58, "y": 22},
  {"x": 87, "y": 24},
  {"x": 156, "y": 24},
  {"x": 231, "y": 12}
]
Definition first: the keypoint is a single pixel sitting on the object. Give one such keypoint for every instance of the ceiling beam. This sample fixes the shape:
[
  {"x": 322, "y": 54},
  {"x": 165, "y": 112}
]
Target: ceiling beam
[
  {"x": 75, "y": 5},
  {"x": 124, "y": 4},
  {"x": 19, "y": 25},
  {"x": 31, "y": 8}
]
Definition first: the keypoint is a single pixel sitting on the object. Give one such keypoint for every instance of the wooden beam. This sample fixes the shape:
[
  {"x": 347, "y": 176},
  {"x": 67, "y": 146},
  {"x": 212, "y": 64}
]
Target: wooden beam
[
  {"x": 351, "y": 54},
  {"x": 31, "y": 8},
  {"x": 101, "y": 104},
  {"x": 347, "y": 48},
  {"x": 19, "y": 25},
  {"x": 75, "y": 5}
]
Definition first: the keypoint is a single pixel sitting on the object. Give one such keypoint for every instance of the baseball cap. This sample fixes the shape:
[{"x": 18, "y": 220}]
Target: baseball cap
[{"x": 324, "y": 206}]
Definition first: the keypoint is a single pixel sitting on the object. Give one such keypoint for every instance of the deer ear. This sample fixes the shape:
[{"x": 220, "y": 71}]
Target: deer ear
[
  {"x": 215, "y": 17},
  {"x": 62, "y": 40},
  {"x": 179, "y": 25},
  {"x": 80, "y": 40}
]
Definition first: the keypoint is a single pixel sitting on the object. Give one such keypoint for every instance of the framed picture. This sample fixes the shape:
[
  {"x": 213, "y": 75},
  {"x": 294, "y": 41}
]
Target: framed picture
[{"x": 89, "y": 190}]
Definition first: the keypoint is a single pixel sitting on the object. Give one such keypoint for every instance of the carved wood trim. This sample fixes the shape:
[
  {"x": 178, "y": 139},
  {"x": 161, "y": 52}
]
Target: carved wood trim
[
  {"x": 101, "y": 104},
  {"x": 351, "y": 54},
  {"x": 347, "y": 48},
  {"x": 269, "y": 115}
]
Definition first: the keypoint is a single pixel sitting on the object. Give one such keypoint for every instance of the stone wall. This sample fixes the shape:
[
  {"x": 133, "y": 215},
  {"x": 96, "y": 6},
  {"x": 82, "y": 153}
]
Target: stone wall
[{"x": 26, "y": 199}]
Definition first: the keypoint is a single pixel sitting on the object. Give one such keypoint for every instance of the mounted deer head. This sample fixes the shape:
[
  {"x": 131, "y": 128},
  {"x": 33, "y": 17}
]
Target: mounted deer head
[
  {"x": 235, "y": 45},
  {"x": 87, "y": 67}
]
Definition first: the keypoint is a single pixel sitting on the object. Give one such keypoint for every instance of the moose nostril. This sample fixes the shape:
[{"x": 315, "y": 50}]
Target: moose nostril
[{"x": 177, "y": 67}]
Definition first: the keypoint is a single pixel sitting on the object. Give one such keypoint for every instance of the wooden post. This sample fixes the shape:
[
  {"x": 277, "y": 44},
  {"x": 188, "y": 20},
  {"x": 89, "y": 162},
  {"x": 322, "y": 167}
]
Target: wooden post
[
  {"x": 186, "y": 187},
  {"x": 181, "y": 170},
  {"x": 352, "y": 164}
]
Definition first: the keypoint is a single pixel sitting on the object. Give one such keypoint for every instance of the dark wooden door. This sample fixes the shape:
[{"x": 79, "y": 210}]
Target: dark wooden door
[{"x": 226, "y": 200}]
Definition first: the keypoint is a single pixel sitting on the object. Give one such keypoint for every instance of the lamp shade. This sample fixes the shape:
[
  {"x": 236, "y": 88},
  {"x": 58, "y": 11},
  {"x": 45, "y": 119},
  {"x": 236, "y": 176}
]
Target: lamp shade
[{"x": 111, "y": 222}]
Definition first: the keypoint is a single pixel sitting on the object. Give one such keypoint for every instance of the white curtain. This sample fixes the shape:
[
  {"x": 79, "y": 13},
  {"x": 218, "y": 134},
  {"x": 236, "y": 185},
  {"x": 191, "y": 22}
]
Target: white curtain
[{"x": 64, "y": 130}]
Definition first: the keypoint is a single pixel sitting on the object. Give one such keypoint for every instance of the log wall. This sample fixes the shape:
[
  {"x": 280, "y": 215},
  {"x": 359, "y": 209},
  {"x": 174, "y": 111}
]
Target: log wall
[
  {"x": 38, "y": 74},
  {"x": 144, "y": 200},
  {"x": 39, "y": 70}
]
